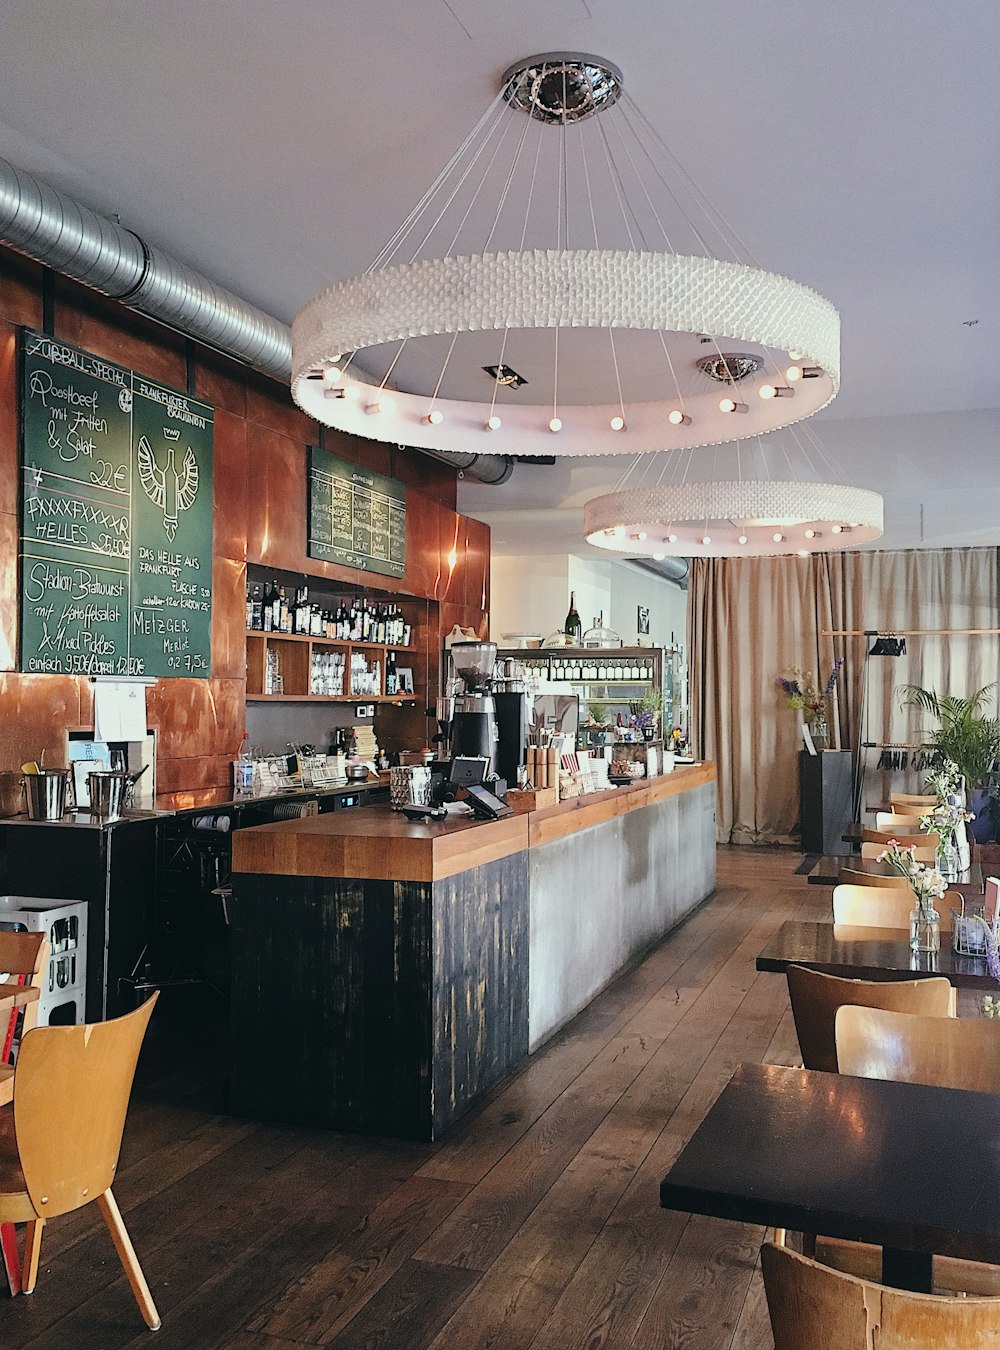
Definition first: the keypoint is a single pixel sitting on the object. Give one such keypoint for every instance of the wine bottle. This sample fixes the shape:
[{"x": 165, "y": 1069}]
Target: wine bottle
[{"x": 573, "y": 627}]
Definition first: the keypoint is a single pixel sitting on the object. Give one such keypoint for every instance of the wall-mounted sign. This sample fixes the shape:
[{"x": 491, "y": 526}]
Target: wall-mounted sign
[
  {"x": 356, "y": 518},
  {"x": 116, "y": 519}
]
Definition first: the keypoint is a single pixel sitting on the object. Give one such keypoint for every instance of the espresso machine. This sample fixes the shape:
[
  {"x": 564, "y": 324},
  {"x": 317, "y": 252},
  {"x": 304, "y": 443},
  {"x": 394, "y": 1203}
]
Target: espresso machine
[{"x": 474, "y": 722}]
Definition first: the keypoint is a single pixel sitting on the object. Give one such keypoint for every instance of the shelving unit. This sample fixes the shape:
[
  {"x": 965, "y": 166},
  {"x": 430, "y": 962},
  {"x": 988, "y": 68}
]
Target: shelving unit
[{"x": 296, "y": 656}]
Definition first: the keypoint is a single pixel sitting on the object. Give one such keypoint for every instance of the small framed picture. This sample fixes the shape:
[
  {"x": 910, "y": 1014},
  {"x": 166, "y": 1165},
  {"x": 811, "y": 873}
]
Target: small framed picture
[
  {"x": 404, "y": 675},
  {"x": 642, "y": 621}
]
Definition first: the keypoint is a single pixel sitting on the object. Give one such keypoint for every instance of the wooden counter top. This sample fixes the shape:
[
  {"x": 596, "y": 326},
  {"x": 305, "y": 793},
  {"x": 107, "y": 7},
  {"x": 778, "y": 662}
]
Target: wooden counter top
[{"x": 378, "y": 843}]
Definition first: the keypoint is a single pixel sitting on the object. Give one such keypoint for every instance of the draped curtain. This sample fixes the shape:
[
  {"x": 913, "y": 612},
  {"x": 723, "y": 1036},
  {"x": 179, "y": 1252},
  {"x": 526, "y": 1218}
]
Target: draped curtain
[{"x": 751, "y": 619}]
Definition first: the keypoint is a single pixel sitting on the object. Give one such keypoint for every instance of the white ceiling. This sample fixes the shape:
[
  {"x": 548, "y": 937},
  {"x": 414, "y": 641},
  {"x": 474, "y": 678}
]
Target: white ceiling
[{"x": 854, "y": 145}]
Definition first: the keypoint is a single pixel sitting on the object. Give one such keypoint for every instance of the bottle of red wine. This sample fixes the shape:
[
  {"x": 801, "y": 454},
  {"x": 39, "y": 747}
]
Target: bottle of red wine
[{"x": 573, "y": 627}]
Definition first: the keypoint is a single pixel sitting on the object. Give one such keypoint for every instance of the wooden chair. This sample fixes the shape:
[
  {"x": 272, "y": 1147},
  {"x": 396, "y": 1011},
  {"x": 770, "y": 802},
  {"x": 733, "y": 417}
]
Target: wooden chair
[
  {"x": 876, "y": 1043},
  {"x": 853, "y": 876},
  {"x": 895, "y": 821},
  {"x": 869, "y": 907},
  {"x": 24, "y": 957},
  {"x": 59, "y": 1147},
  {"x": 874, "y": 842},
  {"x": 812, "y": 1305},
  {"x": 908, "y": 799},
  {"x": 815, "y": 998}
]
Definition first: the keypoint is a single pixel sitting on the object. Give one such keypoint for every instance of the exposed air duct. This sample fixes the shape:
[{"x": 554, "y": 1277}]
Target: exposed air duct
[
  {"x": 667, "y": 569},
  {"x": 60, "y": 233}
]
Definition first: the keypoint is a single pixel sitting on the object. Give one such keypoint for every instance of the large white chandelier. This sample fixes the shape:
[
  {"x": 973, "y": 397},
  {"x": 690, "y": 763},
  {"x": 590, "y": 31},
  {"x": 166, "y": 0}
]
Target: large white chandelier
[{"x": 540, "y": 299}]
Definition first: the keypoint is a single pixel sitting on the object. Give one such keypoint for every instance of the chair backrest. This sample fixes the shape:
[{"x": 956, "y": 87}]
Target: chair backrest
[
  {"x": 871, "y": 907},
  {"x": 925, "y": 846},
  {"x": 854, "y": 876},
  {"x": 71, "y": 1091},
  {"x": 897, "y": 799},
  {"x": 965, "y": 1053},
  {"x": 815, "y": 998},
  {"x": 27, "y": 955},
  {"x": 992, "y": 896},
  {"x": 896, "y": 821},
  {"x": 812, "y": 1306}
]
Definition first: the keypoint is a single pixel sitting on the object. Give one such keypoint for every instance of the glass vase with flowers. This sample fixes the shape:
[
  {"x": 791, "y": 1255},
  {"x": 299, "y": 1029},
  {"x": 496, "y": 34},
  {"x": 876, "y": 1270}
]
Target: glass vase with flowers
[
  {"x": 802, "y": 695},
  {"x": 944, "y": 820},
  {"x": 927, "y": 885}
]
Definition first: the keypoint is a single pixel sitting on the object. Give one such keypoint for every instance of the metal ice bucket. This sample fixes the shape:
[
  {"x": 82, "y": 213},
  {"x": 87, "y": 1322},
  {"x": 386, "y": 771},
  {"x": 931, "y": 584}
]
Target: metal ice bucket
[
  {"x": 45, "y": 794},
  {"x": 107, "y": 794}
]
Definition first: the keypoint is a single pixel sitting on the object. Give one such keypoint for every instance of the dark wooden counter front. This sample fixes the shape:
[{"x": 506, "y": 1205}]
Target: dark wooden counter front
[{"x": 381, "y": 967}]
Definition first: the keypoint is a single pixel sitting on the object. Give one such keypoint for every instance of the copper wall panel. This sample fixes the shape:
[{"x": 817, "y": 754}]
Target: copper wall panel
[
  {"x": 269, "y": 404},
  {"x": 9, "y": 419},
  {"x": 194, "y": 774},
  {"x": 20, "y": 289},
  {"x": 121, "y": 335},
  {"x": 229, "y": 589},
  {"x": 229, "y": 538},
  {"x": 8, "y": 591},
  {"x": 220, "y": 382},
  {"x": 197, "y": 717},
  {"x": 35, "y": 711}
]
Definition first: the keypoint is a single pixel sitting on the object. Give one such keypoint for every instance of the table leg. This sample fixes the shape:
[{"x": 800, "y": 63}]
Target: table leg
[{"x": 903, "y": 1269}]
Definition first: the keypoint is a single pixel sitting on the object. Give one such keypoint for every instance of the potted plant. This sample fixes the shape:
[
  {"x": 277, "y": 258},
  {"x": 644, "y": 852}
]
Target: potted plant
[
  {"x": 645, "y": 713},
  {"x": 968, "y": 738}
]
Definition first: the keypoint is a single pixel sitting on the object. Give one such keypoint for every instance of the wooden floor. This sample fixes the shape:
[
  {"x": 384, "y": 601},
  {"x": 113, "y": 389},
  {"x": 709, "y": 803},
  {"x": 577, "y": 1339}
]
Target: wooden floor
[{"x": 534, "y": 1223}]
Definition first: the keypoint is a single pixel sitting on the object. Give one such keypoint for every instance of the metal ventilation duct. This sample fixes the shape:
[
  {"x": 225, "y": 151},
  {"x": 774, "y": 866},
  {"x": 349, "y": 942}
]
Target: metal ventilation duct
[
  {"x": 667, "y": 569},
  {"x": 60, "y": 233}
]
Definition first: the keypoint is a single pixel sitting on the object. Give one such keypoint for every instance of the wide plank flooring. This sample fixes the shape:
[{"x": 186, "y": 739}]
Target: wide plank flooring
[{"x": 534, "y": 1223}]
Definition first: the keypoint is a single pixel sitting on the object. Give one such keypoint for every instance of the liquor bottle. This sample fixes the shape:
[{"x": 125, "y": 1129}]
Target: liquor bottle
[
  {"x": 249, "y": 607},
  {"x": 573, "y": 627},
  {"x": 270, "y": 600},
  {"x": 407, "y": 634},
  {"x": 391, "y": 678}
]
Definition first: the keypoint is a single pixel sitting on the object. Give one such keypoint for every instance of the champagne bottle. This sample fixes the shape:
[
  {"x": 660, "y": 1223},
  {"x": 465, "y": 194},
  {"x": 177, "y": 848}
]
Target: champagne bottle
[{"x": 573, "y": 627}]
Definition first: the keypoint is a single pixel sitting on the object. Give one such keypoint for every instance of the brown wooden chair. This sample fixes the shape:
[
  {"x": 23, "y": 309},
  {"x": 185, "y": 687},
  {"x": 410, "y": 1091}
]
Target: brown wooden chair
[
  {"x": 59, "y": 1145},
  {"x": 894, "y": 821},
  {"x": 815, "y": 1307},
  {"x": 925, "y": 846},
  {"x": 909, "y": 799},
  {"x": 815, "y": 998},
  {"x": 24, "y": 959},
  {"x": 868, "y": 907},
  {"x": 854, "y": 876}
]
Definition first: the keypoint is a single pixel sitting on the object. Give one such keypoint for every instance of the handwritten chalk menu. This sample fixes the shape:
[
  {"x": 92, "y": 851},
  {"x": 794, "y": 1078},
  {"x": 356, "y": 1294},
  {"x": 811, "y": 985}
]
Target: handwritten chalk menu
[
  {"x": 356, "y": 518},
  {"x": 116, "y": 519}
]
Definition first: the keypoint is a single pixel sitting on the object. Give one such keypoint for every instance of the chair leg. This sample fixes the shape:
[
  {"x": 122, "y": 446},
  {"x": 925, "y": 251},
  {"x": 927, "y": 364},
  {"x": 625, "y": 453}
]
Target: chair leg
[
  {"x": 8, "y": 1255},
  {"x": 32, "y": 1246},
  {"x": 130, "y": 1262}
]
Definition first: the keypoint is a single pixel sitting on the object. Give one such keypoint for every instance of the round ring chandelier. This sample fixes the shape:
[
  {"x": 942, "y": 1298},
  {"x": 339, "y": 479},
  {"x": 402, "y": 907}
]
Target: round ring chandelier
[
  {"x": 728, "y": 517},
  {"x": 589, "y": 332}
]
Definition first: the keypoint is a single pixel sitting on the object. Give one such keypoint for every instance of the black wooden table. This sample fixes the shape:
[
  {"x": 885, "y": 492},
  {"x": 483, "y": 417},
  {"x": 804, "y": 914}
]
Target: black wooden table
[
  {"x": 869, "y": 954},
  {"x": 826, "y": 872},
  {"x": 915, "y": 1169}
]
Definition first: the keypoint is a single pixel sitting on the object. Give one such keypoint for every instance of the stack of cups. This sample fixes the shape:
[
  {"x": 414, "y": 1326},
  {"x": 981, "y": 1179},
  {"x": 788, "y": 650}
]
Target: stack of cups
[{"x": 410, "y": 785}]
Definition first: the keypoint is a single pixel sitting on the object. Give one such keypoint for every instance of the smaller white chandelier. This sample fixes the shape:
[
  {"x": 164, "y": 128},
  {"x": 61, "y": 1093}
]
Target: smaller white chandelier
[{"x": 733, "y": 517}]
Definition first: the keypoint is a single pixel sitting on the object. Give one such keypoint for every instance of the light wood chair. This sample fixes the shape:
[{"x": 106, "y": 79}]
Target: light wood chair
[
  {"x": 59, "y": 1146},
  {"x": 815, "y": 998},
  {"x": 874, "y": 842},
  {"x": 24, "y": 958},
  {"x": 870, "y": 907},
  {"x": 812, "y": 1305},
  {"x": 898, "y": 820},
  {"x": 944, "y": 1052},
  {"x": 853, "y": 876},
  {"x": 908, "y": 799}
]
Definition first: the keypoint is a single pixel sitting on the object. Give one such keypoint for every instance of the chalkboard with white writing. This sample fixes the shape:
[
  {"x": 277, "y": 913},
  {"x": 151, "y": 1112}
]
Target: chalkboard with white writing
[
  {"x": 116, "y": 519},
  {"x": 356, "y": 518}
]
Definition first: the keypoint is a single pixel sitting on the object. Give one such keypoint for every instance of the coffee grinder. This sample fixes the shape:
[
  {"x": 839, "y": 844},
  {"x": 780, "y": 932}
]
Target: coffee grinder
[{"x": 474, "y": 726}]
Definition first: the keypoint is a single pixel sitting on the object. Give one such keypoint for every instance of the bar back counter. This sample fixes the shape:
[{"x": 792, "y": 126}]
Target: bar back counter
[{"x": 386, "y": 974}]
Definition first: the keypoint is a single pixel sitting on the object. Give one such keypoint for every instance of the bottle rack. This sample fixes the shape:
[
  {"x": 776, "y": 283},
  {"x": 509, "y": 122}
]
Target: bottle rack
[{"x": 295, "y": 651}]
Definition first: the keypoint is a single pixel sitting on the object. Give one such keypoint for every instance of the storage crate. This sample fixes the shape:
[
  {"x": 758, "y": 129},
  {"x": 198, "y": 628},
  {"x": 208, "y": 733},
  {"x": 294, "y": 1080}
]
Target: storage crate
[{"x": 62, "y": 1001}]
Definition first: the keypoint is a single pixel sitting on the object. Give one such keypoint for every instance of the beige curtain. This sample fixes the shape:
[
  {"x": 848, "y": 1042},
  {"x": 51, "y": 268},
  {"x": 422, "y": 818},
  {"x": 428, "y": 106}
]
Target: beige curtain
[{"x": 751, "y": 619}]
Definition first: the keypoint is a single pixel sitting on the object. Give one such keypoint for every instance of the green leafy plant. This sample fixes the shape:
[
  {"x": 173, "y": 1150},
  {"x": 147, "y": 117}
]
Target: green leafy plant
[
  {"x": 598, "y": 714},
  {"x": 964, "y": 735}
]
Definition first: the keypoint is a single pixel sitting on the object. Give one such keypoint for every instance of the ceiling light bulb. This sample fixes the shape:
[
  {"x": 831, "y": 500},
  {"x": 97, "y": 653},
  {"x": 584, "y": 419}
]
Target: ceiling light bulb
[
  {"x": 777, "y": 536},
  {"x": 766, "y": 391},
  {"x": 706, "y": 539},
  {"x": 641, "y": 534},
  {"x": 381, "y": 405},
  {"x": 810, "y": 534},
  {"x": 793, "y": 373},
  {"x": 555, "y": 424},
  {"x": 658, "y": 557},
  {"x": 493, "y": 423},
  {"x": 331, "y": 375},
  {"x": 671, "y": 539},
  {"x": 836, "y": 529},
  {"x": 729, "y": 405},
  {"x": 676, "y": 418},
  {"x": 775, "y": 391},
  {"x": 795, "y": 356},
  {"x": 617, "y": 423},
  {"x": 619, "y": 531},
  {"x": 435, "y": 418},
  {"x": 742, "y": 539},
  {"x": 352, "y": 392},
  {"x": 803, "y": 553}
]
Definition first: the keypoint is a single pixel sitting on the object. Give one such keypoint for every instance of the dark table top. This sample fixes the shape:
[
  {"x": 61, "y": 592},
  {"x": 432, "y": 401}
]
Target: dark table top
[
  {"x": 826, "y": 872},
  {"x": 911, "y": 1167},
  {"x": 868, "y": 953}
]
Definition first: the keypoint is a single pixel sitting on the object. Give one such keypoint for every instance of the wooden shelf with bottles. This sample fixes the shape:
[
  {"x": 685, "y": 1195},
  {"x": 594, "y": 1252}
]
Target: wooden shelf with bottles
[{"x": 295, "y": 654}]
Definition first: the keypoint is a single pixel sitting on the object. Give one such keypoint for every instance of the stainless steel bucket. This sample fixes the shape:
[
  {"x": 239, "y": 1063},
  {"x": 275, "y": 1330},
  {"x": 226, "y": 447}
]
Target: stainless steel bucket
[
  {"x": 107, "y": 794},
  {"x": 45, "y": 794}
]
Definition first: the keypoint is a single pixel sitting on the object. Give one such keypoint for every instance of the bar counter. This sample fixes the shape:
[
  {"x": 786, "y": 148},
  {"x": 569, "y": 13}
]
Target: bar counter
[{"x": 388, "y": 973}]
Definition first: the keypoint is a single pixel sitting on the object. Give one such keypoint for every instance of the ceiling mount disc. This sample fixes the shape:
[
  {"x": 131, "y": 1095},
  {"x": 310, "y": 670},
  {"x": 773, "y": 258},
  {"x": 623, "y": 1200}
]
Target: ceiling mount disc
[{"x": 560, "y": 87}]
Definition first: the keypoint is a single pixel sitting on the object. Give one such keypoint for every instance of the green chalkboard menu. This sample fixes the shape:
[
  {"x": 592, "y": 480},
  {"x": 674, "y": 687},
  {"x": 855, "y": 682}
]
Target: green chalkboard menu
[
  {"x": 355, "y": 517},
  {"x": 116, "y": 519}
]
